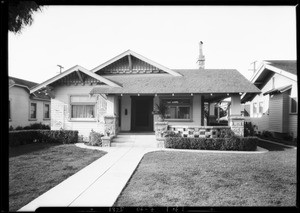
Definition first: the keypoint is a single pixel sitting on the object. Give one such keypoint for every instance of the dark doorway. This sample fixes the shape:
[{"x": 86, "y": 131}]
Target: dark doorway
[{"x": 141, "y": 113}]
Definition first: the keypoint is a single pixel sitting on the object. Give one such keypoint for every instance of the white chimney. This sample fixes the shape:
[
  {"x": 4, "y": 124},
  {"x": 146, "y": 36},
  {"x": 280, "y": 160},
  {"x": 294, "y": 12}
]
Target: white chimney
[{"x": 201, "y": 59}]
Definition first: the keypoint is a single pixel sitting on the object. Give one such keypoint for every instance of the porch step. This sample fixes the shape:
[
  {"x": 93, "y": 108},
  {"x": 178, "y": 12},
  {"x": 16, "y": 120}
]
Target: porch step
[{"x": 134, "y": 140}]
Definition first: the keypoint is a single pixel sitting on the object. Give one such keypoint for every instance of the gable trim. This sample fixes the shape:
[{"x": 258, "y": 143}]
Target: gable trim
[
  {"x": 274, "y": 69},
  {"x": 67, "y": 72},
  {"x": 130, "y": 52}
]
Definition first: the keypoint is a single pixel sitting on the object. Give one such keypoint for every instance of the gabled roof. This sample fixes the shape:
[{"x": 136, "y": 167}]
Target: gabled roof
[
  {"x": 278, "y": 90},
  {"x": 130, "y": 52},
  {"x": 191, "y": 81},
  {"x": 69, "y": 71},
  {"x": 27, "y": 85},
  {"x": 287, "y": 68},
  {"x": 286, "y": 65},
  {"x": 21, "y": 82}
]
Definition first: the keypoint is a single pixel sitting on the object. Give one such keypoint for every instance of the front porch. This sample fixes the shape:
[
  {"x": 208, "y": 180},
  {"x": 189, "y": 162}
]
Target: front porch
[{"x": 132, "y": 113}]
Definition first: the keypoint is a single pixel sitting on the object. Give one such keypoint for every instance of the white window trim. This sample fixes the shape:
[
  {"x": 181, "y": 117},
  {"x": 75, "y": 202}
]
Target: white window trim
[
  {"x": 44, "y": 118},
  {"x": 36, "y": 111},
  {"x": 82, "y": 103},
  {"x": 290, "y": 107},
  {"x": 178, "y": 119}
]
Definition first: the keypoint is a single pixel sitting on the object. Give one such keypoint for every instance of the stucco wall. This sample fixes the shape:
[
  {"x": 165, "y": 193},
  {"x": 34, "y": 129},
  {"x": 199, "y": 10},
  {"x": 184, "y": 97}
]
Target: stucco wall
[
  {"x": 19, "y": 108},
  {"x": 60, "y": 110}
]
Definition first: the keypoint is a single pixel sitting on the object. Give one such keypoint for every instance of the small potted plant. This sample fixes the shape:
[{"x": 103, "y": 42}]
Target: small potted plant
[{"x": 161, "y": 111}]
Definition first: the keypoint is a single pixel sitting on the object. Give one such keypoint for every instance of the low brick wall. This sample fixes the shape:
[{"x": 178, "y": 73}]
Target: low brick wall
[{"x": 199, "y": 131}]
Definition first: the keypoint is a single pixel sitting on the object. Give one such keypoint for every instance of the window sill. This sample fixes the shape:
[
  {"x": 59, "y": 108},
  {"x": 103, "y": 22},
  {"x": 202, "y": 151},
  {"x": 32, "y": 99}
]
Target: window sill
[
  {"x": 46, "y": 119},
  {"x": 82, "y": 120},
  {"x": 179, "y": 120},
  {"x": 293, "y": 113},
  {"x": 32, "y": 119}
]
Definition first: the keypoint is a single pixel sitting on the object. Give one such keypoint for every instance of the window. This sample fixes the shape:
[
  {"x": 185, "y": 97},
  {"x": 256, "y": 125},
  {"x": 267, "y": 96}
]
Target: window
[
  {"x": 178, "y": 108},
  {"x": 32, "y": 110},
  {"x": 82, "y": 107},
  {"x": 255, "y": 109},
  {"x": 294, "y": 105},
  {"x": 46, "y": 111},
  {"x": 261, "y": 107}
]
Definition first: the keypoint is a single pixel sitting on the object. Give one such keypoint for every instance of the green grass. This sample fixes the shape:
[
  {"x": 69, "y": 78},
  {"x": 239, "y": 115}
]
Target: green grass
[
  {"x": 205, "y": 179},
  {"x": 36, "y": 168}
]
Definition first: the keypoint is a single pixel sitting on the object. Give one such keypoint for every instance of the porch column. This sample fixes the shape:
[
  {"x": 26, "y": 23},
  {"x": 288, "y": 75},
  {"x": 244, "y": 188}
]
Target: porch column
[
  {"x": 236, "y": 121},
  {"x": 202, "y": 110},
  {"x": 212, "y": 115},
  {"x": 110, "y": 119}
]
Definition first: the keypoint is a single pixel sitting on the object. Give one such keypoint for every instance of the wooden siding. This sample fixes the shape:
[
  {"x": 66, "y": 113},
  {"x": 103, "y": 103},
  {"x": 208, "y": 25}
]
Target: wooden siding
[
  {"x": 262, "y": 122},
  {"x": 293, "y": 125},
  {"x": 285, "y": 112},
  {"x": 276, "y": 113},
  {"x": 128, "y": 66}
]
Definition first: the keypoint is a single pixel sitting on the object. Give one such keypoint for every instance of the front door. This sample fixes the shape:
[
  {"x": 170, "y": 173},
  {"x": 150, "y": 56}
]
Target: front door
[{"x": 141, "y": 113}]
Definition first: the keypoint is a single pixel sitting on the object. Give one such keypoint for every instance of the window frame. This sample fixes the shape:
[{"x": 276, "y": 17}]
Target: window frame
[
  {"x": 81, "y": 103},
  {"x": 255, "y": 106},
  {"x": 180, "y": 105},
  {"x": 36, "y": 110},
  {"x": 290, "y": 107},
  {"x": 46, "y": 103}
]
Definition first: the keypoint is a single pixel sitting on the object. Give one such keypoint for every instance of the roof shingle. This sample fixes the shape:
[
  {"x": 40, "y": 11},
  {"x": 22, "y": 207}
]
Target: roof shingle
[
  {"x": 192, "y": 81},
  {"x": 29, "y": 84}
]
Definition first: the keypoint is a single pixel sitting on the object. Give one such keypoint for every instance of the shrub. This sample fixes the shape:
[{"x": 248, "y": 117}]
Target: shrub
[
  {"x": 23, "y": 137},
  {"x": 232, "y": 143},
  {"x": 95, "y": 138},
  {"x": 226, "y": 133},
  {"x": 248, "y": 129},
  {"x": 31, "y": 126},
  {"x": 170, "y": 133},
  {"x": 266, "y": 134}
]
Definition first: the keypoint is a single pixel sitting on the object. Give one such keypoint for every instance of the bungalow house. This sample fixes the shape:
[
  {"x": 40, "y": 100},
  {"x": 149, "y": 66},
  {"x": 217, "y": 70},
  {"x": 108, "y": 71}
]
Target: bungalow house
[
  {"x": 120, "y": 95},
  {"x": 26, "y": 108},
  {"x": 276, "y": 108}
]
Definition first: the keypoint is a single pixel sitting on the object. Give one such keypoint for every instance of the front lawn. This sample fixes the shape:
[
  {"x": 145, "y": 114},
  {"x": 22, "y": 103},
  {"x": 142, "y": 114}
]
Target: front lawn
[
  {"x": 36, "y": 168},
  {"x": 166, "y": 178}
]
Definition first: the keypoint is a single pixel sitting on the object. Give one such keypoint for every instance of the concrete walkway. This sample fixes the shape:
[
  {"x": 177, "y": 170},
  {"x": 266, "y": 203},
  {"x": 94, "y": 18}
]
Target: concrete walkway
[{"x": 99, "y": 184}]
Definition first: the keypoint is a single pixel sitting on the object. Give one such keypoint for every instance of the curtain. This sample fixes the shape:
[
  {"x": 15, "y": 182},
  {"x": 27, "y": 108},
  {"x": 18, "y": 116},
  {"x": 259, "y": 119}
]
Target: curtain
[{"x": 82, "y": 111}]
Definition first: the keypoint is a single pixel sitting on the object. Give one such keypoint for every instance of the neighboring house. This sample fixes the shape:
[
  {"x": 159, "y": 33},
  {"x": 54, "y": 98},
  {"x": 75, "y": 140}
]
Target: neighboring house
[
  {"x": 121, "y": 93},
  {"x": 25, "y": 108},
  {"x": 276, "y": 108}
]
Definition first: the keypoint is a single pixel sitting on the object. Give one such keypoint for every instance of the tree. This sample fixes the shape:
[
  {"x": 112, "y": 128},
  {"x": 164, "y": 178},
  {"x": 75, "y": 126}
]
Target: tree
[{"x": 20, "y": 14}]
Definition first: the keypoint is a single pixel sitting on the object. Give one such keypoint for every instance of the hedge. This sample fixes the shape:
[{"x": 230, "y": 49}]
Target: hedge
[
  {"x": 23, "y": 137},
  {"x": 232, "y": 143}
]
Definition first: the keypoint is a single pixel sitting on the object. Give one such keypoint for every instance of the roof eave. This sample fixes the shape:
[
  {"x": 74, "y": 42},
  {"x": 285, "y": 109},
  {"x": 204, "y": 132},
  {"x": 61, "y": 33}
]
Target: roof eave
[
  {"x": 130, "y": 52},
  {"x": 67, "y": 72}
]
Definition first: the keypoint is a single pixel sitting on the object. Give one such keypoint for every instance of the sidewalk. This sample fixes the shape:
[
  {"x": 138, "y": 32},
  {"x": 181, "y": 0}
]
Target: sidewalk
[{"x": 99, "y": 184}]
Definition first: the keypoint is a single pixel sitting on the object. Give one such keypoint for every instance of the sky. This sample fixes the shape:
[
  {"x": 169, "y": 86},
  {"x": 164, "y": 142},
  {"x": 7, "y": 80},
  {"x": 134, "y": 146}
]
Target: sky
[{"x": 232, "y": 36}]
